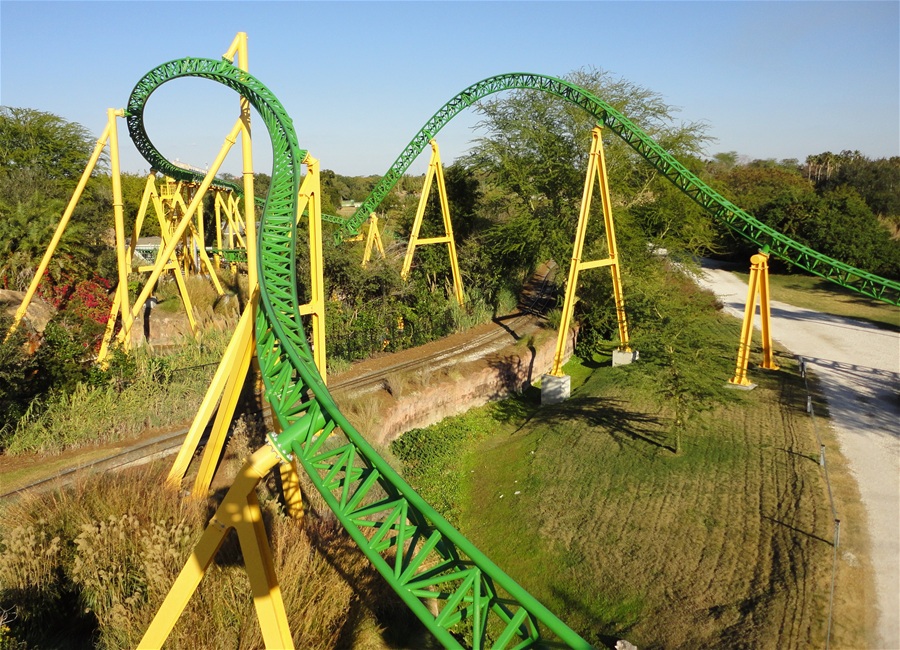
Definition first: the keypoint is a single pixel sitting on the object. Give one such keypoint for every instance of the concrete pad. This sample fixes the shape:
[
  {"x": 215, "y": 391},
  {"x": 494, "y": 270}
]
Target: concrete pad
[{"x": 555, "y": 390}]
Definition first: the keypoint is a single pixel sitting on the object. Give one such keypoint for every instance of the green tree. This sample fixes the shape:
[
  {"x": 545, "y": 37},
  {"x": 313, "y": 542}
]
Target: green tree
[
  {"x": 42, "y": 146},
  {"x": 42, "y": 157},
  {"x": 536, "y": 147}
]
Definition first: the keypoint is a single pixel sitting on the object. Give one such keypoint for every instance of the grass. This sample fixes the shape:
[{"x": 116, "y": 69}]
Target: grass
[
  {"x": 812, "y": 292},
  {"x": 656, "y": 504},
  {"x": 89, "y": 567},
  {"x": 153, "y": 392}
]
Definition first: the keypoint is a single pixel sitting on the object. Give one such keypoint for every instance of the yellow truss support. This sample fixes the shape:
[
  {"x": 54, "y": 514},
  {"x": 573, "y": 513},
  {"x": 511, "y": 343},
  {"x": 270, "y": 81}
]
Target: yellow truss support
[
  {"x": 373, "y": 240},
  {"x": 110, "y": 134},
  {"x": 225, "y": 388},
  {"x": 758, "y": 286},
  {"x": 239, "y": 511},
  {"x": 227, "y": 209},
  {"x": 596, "y": 168},
  {"x": 435, "y": 171}
]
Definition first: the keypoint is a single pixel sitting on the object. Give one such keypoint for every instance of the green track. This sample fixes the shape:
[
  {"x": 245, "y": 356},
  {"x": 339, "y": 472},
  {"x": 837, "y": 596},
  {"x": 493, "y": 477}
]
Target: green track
[
  {"x": 458, "y": 593},
  {"x": 744, "y": 224}
]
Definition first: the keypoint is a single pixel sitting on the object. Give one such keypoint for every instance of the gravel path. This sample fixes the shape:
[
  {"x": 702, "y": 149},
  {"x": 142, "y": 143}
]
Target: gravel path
[{"x": 858, "y": 366}]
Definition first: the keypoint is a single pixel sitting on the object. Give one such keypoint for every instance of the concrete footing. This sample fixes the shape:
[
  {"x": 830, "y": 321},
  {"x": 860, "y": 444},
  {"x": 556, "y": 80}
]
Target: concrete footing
[
  {"x": 555, "y": 389},
  {"x": 624, "y": 357},
  {"x": 740, "y": 386}
]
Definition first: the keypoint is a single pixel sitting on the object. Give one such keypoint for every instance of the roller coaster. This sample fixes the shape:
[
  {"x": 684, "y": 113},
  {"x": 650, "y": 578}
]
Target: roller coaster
[{"x": 455, "y": 590}]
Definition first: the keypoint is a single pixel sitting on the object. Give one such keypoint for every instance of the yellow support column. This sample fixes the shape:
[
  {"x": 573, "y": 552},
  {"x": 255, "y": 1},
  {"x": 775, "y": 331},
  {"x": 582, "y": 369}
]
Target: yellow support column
[
  {"x": 61, "y": 227},
  {"x": 435, "y": 171},
  {"x": 309, "y": 200},
  {"x": 596, "y": 169},
  {"x": 758, "y": 285},
  {"x": 239, "y": 511},
  {"x": 372, "y": 240}
]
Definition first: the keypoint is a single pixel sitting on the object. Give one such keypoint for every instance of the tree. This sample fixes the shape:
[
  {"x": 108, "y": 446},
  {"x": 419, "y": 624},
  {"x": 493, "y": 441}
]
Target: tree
[
  {"x": 536, "y": 147},
  {"x": 41, "y": 159},
  {"x": 42, "y": 145}
]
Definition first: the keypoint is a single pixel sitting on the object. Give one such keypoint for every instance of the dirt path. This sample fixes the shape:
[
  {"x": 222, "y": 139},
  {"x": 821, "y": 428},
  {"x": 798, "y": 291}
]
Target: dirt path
[{"x": 858, "y": 366}]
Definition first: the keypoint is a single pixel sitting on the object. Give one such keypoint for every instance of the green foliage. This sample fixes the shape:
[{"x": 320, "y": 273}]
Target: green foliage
[
  {"x": 42, "y": 144},
  {"x": 57, "y": 398},
  {"x": 532, "y": 163},
  {"x": 434, "y": 458},
  {"x": 818, "y": 209},
  {"x": 41, "y": 159}
]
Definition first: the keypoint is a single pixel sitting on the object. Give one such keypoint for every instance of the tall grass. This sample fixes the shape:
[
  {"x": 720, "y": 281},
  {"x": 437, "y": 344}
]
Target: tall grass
[
  {"x": 89, "y": 567},
  {"x": 142, "y": 391}
]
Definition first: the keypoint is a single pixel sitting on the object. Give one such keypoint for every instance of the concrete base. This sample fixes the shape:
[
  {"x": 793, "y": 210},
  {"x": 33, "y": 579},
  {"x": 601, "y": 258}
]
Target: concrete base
[
  {"x": 555, "y": 390},
  {"x": 624, "y": 357},
  {"x": 740, "y": 386}
]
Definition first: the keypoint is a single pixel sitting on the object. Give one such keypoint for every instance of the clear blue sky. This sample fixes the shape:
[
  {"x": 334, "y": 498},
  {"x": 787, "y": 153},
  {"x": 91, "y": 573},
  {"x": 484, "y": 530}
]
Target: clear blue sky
[{"x": 771, "y": 79}]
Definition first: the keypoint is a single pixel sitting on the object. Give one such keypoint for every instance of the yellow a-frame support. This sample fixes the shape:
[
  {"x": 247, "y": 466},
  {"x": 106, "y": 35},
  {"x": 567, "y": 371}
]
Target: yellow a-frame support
[
  {"x": 373, "y": 240},
  {"x": 150, "y": 197},
  {"x": 758, "y": 285},
  {"x": 596, "y": 168},
  {"x": 240, "y": 511},
  {"x": 110, "y": 135},
  {"x": 435, "y": 171},
  {"x": 226, "y": 205}
]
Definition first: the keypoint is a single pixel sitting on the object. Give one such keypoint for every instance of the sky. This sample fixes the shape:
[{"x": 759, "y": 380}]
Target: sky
[{"x": 768, "y": 79}]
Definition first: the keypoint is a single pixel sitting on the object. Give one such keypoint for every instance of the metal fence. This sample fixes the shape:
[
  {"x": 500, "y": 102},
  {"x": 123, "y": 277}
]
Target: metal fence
[{"x": 823, "y": 463}]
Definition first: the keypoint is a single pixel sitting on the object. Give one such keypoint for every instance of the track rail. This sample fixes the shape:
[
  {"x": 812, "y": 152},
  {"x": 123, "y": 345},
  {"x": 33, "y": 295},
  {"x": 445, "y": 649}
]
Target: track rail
[
  {"x": 419, "y": 553},
  {"x": 425, "y": 559},
  {"x": 665, "y": 163}
]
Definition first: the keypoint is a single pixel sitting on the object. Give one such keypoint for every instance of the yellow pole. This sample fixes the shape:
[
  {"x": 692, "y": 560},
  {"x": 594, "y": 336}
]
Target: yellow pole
[
  {"x": 230, "y": 140},
  {"x": 766, "y": 315},
  {"x": 239, "y": 510},
  {"x": 435, "y": 170},
  {"x": 448, "y": 229},
  {"x": 612, "y": 247},
  {"x": 308, "y": 195},
  {"x": 60, "y": 229},
  {"x": 740, "y": 372},
  {"x": 239, "y": 47},
  {"x": 231, "y": 393},
  {"x": 118, "y": 212},
  {"x": 241, "y": 340}
]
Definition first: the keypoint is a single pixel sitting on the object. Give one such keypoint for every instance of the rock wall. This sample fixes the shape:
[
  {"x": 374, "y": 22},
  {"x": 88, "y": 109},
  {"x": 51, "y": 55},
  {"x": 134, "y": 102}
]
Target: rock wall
[{"x": 470, "y": 384}]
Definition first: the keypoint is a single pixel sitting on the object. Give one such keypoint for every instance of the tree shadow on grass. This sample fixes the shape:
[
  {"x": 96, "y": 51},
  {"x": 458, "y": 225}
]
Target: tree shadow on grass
[{"x": 640, "y": 431}]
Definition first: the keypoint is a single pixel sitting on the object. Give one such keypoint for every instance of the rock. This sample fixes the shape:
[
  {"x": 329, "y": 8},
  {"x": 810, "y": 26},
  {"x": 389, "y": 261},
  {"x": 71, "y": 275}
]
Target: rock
[{"x": 38, "y": 314}]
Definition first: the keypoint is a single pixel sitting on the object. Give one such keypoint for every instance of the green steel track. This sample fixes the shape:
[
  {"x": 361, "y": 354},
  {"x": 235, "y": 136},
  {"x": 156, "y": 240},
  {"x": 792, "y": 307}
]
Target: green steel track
[
  {"x": 458, "y": 593},
  {"x": 742, "y": 223}
]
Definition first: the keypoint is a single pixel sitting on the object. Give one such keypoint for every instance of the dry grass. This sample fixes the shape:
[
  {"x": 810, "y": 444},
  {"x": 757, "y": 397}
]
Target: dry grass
[{"x": 90, "y": 566}]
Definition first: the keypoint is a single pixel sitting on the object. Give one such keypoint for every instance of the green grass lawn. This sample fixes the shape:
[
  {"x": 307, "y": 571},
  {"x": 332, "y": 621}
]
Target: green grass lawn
[{"x": 586, "y": 504}]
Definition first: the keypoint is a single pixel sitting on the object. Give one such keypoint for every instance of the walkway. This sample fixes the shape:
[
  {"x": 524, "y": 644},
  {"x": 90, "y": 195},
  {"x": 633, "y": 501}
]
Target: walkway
[{"x": 858, "y": 366}]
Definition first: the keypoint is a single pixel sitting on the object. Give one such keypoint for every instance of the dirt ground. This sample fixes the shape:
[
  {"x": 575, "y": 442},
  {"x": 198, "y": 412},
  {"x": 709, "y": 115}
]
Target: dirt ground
[{"x": 858, "y": 366}]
